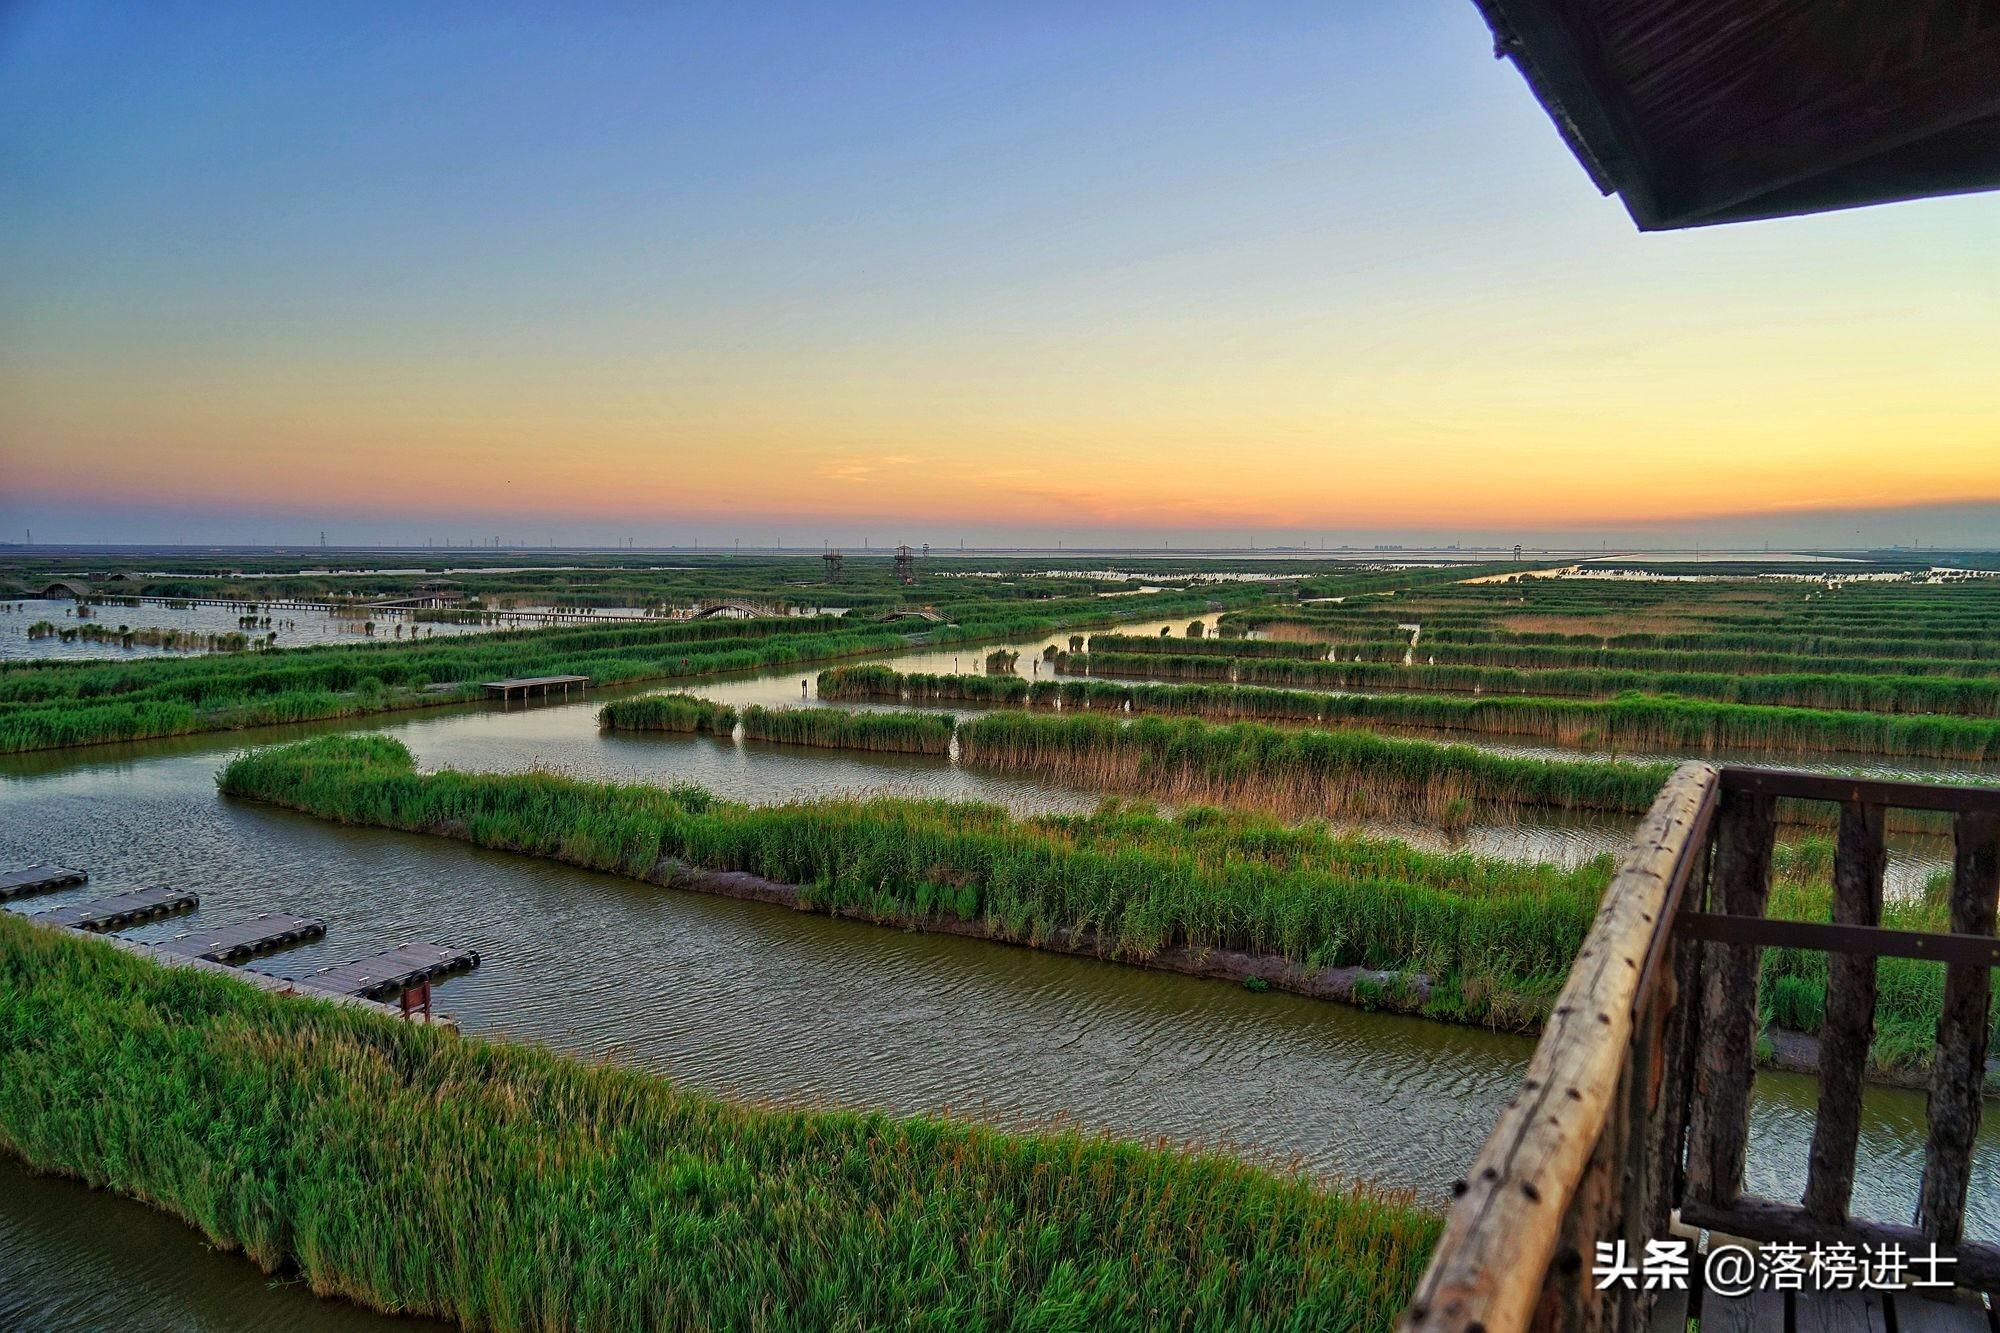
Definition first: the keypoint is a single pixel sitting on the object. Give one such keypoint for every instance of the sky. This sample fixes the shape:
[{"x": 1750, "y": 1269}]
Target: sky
[{"x": 1120, "y": 273}]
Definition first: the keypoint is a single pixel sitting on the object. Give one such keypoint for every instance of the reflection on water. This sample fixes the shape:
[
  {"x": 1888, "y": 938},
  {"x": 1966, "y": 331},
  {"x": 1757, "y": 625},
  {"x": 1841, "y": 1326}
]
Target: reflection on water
[
  {"x": 766, "y": 1003},
  {"x": 294, "y": 627},
  {"x": 73, "y": 1258}
]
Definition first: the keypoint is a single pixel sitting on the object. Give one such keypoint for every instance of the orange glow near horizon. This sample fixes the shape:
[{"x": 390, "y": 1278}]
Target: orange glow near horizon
[
  {"x": 1297, "y": 438},
  {"x": 1312, "y": 271}
]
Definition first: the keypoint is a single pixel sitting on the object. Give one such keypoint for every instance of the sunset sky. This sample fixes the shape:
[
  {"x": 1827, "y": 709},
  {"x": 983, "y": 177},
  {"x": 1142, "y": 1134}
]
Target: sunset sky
[{"x": 1120, "y": 271}]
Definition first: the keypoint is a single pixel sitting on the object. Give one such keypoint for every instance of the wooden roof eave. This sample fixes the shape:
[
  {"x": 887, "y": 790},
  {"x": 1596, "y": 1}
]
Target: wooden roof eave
[{"x": 1902, "y": 126}]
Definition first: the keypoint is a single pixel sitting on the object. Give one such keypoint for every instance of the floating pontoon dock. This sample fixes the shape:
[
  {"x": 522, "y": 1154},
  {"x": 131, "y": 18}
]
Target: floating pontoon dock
[
  {"x": 525, "y": 686},
  {"x": 245, "y": 940},
  {"x": 120, "y": 909},
  {"x": 402, "y": 974},
  {"x": 394, "y": 970},
  {"x": 38, "y": 879}
]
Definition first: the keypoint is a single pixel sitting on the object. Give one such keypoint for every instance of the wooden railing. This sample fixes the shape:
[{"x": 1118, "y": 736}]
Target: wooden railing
[{"x": 1635, "y": 1108}]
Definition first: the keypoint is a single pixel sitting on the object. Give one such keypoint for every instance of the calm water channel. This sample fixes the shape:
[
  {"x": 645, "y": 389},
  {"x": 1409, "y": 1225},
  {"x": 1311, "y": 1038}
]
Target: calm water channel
[{"x": 750, "y": 1000}]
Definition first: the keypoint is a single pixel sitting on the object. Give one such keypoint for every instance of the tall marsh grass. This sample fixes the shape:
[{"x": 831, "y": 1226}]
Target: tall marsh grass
[
  {"x": 508, "y": 1187},
  {"x": 1345, "y": 774},
  {"x": 880, "y": 682},
  {"x": 1494, "y": 938},
  {"x": 1851, "y": 692},
  {"x": 668, "y": 712},
  {"x": 1633, "y": 719},
  {"x": 836, "y": 728}
]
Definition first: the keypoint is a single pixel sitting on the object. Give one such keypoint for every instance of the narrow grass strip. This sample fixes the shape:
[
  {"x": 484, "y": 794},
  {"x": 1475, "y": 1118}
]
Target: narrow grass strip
[
  {"x": 836, "y": 728},
  {"x": 1214, "y": 892},
  {"x": 508, "y": 1187},
  {"x": 1318, "y": 773}
]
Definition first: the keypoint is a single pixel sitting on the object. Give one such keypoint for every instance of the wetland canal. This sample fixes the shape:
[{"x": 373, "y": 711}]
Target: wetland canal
[{"x": 759, "y": 1002}]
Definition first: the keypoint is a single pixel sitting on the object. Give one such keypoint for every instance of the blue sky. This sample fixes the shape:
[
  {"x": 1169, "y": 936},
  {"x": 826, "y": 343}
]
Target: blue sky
[{"x": 827, "y": 270}]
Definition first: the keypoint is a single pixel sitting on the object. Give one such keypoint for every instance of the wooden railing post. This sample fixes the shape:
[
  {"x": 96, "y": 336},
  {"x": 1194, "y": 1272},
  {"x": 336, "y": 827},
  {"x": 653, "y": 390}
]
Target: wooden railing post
[
  {"x": 1725, "y": 1050},
  {"x": 1667, "y": 1130},
  {"x": 1960, "y": 1062},
  {"x": 1552, "y": 1180},
  {"x": 1849, "y": 1025}
]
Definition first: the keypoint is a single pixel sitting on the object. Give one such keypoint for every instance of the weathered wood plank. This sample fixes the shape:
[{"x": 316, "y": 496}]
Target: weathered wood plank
[
  {"x": 1959, "y": 1063},
  {"x": 1958, "y": 1313},
  {"x": 1569, "y": 1298},
  {"x": 1839, "y": 1312},
  {"x": 1670, "y": 1315},
  {"x": 1757, "y": 1312},
  {"x": 1849, "y": 1028},
  {"x": 1499, "y": 1241},
  {"x": 1897, "y": 794},
  {"x": 1719, "y": 1120}
]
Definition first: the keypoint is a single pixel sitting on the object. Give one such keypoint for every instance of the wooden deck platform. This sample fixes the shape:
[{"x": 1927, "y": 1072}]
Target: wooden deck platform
[
  {"x": 394, "y": 970},
  {"x": 249, "y": 939},
  {"x": 1633, "y": 1118},
  {"x": 24, "y": 880},
  {"x": 121, "y": 909},
  {"x": 525, "y": 686},
  {"x": 1826, "y": 1312}
]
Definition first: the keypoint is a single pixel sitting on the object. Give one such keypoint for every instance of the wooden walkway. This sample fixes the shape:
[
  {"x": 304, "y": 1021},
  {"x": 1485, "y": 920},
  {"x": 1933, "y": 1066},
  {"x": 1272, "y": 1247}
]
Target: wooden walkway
[
  {"x": 120, "y": 909},
  {"x": 1828, "y": 1312},
  {"x": 531, "y": 685},
  {"x": 394, "y": 971},
  {"x": 245, "y": 940},
  {"x": 38, "y": 879}
]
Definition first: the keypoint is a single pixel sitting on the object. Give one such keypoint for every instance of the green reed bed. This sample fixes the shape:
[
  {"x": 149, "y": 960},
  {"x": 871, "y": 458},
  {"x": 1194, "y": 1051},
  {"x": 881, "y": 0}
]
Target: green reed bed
[
  {"x": 1859, "y": 693},
  {"x": 880, "y": 682},
  {"x": 866, "y": 681},
  {"x": 1494, "y": 937},
  {"x": 835, "y": 728},
  {"x": 668, "y": 712},
  {"x": 346, "y": 682},
  {"x": 509, "y": 1187},
  {"x": 1200, "y": 647},
  {"x": 1652, "y": 721},
  {"x": 49, "y": 705},
  {"x": 1214, "y": 701},
  {"x": 1678, "y": 724},
  {"x": 1337, "y": 774},
  {"x": 1804, "y": 643},
  {"x": 1910, "y": 992},
  {"x": 1098, "y": 695},
  {"x": 1178, "y": 666},
  {"x": 1538, "y": 657}
]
